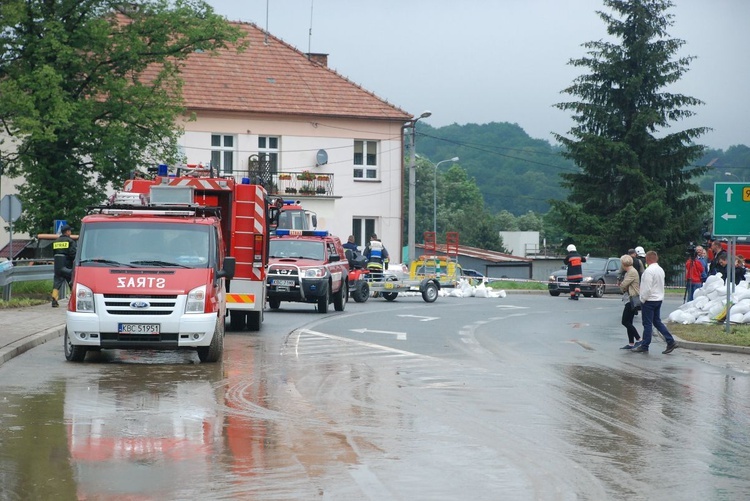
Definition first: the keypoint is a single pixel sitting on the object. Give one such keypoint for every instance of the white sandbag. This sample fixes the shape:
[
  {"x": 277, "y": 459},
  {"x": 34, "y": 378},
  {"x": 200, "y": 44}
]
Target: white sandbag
[
  {"x": 703, "y": 319},
  {"x": 680, "y": 317},
  {"x": 716, "y": 294},
  {"x": 481, "y": 291},
  {"x": 742, "y": 306},
  {"x": 716, "y": 308},
  {"x": 700, "y": 302},
  {"x": 746, "y": 318},
  {"x": 736, "y": 318}
]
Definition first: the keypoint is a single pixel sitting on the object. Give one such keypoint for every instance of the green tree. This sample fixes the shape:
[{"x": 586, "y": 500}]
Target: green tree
[
  {"x": 90, "y": 91},
  {"x": 634, "y": 184},
  {"x": 463, "y": 210}
]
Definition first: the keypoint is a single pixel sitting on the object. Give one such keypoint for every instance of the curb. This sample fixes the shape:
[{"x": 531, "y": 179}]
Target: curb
[
  {"x": 20, "y": 346},
  {"x": 724, "y": 348}
]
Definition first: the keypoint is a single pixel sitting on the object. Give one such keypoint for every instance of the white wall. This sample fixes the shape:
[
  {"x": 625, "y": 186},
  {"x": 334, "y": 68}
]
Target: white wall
[
  {"x": 517, "y": 241},
  {"x": 300, "y": 140}
]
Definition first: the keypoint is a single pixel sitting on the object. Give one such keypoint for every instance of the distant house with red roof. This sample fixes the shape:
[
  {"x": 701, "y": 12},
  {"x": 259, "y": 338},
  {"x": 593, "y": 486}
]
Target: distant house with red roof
[{"x": 272, "y": 113}]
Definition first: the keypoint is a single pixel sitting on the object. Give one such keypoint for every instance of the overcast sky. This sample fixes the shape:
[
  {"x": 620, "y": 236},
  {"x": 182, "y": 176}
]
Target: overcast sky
[{"x": 480, "y": 61}]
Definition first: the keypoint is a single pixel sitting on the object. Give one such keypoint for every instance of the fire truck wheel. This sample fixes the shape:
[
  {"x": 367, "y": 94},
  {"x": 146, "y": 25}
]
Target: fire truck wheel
[
  {"x": 214, "y": 351},
  {"x": 254, "y": 319},
  {"x": 339, "y": 298},
  {"x": 430, "y": 293},
  {"x": 361, "y": 292},
  {"x": 274, "y": 303},
  {"x": 324, "y": 300},
  {"x": 73, "y": 353},
  {"x": 237, "y": 320}
]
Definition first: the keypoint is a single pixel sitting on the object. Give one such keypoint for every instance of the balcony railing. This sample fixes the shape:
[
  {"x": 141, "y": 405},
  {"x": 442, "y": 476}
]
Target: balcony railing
[{"x": 301, "y": 184}]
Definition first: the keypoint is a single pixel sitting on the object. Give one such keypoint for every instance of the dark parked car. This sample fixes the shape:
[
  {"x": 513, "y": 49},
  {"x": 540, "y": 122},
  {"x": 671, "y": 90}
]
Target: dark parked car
[{"x": 599, "y": 278}]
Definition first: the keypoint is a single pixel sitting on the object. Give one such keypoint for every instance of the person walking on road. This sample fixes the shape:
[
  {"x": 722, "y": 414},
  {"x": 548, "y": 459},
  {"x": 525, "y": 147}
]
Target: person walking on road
[
  {"x": 630, "y": 287},
  {"x": 575, "y": 271},
  {"x": 66, "y": 246},
  {"x": 652, "y": 295}
]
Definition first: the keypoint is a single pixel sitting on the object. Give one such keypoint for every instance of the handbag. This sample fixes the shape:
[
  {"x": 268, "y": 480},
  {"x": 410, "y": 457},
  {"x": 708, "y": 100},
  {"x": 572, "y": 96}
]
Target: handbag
[{"x": 635, "y": 303}]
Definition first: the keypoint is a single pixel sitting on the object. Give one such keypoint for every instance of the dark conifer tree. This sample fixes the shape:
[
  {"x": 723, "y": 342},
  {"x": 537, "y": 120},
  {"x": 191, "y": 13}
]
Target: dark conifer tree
[{"x": 635, "y": 184}]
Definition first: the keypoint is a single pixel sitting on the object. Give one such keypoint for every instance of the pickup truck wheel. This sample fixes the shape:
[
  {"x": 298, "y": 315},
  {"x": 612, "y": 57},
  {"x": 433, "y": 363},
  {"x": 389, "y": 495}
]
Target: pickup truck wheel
[
  {"x": 390, "y": 296},
  {"x": 73, "y": 353},
  {"x": 430, "y": 293},
  {"x": 237, "y": 320},
  {"x": 274, "y": 303},
  {"x": 554, "y": 293},
  {"x": 254, "y": 319},
  {"x": 324, "y": 300},
  {"x": 213, "y": 352},
  {"x": 361, "y": 292},
  {"x": 339, "y": 298}
]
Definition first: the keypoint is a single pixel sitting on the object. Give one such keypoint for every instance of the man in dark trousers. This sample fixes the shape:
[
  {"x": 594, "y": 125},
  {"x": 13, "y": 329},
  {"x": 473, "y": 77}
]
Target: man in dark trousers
[
  {"x": 575, "y": 271},
  {"x": 66, "y": 246}
]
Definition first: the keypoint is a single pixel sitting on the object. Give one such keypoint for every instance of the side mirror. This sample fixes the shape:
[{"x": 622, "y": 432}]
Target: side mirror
[
  {"x": 228, "y": 270},
  {"x": 334, "y": 257}
]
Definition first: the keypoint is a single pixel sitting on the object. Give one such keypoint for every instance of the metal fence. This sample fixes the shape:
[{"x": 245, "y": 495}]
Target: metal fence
[{"x": 25, "y": 274}]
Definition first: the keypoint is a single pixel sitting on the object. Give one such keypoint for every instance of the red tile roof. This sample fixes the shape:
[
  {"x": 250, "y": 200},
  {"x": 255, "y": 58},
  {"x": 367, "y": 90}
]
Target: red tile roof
[
  {"x": 271, "y": 76},
  {"x": 19, "y": 244}
]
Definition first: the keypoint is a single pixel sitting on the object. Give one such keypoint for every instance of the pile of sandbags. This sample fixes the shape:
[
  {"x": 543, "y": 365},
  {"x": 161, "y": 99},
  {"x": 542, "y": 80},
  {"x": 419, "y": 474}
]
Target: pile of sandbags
[
  {"x": 465, "y": 289},
  {"x": 709, "y": 304}
]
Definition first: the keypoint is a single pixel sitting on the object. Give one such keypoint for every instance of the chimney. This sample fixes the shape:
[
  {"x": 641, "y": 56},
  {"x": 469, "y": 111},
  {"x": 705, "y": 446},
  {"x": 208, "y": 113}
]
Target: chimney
[{"x": 318, "y": 58}]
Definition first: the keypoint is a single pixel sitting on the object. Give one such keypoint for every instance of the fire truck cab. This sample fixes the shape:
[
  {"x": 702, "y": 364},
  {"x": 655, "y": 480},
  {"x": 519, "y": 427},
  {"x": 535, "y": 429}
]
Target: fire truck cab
[{"x": 149, "y": 277}]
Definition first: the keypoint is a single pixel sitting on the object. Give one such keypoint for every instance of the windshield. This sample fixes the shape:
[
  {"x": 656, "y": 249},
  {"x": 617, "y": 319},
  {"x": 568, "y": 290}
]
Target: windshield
[
  {"x": 298, "y": 249},
  {"x": 145, "y": 245},
  {"x": 594, "y": 263}
]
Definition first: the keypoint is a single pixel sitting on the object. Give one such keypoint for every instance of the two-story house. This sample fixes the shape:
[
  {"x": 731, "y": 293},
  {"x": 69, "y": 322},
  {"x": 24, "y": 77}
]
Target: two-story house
[{"x": 282, "y": 117}]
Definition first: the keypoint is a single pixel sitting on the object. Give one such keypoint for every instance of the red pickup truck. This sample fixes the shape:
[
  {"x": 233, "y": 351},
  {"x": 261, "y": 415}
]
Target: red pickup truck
[{"x": 307, "y": 266}]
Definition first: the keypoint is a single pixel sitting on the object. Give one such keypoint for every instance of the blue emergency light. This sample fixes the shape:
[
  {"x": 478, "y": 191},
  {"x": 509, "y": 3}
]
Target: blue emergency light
[{"x": 301, "y": 233}]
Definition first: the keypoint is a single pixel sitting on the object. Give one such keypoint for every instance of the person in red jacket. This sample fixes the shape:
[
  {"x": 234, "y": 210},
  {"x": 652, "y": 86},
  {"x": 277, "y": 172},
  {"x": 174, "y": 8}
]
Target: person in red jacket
[
  {"x": 693, "y": 272},
  {"x": 575, "y": 271}
]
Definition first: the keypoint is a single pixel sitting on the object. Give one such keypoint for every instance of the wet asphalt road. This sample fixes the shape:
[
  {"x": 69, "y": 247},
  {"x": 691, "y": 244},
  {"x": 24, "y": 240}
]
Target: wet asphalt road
[{"x": 526, "y": 397}]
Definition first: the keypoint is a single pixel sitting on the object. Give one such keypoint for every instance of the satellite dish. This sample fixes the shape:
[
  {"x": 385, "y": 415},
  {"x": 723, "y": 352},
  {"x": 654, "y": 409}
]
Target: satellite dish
[{"x": 321, "y": 158}]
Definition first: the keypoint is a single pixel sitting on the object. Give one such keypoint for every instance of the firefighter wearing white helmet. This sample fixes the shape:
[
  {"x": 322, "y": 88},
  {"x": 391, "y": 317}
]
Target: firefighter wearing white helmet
[{"x": 575, "y": 271}]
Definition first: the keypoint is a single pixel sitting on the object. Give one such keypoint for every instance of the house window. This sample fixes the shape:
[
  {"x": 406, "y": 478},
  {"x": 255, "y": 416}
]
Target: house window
[
  {"x": 362, "y": 229},
  {"x": 222, "y": 153},
  {"x": 365, "y": 159},
  {"x": 268, "y": 149}
]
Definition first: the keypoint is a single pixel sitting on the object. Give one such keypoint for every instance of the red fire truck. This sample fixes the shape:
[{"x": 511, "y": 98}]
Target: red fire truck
[{"x": 151, "y": 267}]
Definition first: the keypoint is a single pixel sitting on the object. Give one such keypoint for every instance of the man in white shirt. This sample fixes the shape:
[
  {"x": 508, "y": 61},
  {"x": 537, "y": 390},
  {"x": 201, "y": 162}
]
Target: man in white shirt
[{"x": 652, "y": 295}]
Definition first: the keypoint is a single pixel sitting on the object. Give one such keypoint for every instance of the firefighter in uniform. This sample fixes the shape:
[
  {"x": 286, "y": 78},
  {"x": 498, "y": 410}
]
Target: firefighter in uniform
[
  {"x": 66, "y": 246},
  {"x": 377, "y": 256},
  {"x": 575, "y": 272}
]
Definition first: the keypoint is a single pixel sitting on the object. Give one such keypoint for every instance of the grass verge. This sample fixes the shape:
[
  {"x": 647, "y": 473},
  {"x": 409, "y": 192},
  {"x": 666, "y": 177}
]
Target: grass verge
[
  {"x": 28, "y": 294},
  {"x": 738, "y": 335}
]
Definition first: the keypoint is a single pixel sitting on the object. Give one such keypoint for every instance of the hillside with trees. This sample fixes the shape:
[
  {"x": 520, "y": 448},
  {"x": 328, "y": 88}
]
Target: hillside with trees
[{"x": 514, "y": 172}]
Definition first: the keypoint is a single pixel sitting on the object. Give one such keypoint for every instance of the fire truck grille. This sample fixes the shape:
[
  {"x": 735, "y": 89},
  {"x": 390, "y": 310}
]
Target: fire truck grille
[{"x": 122, "y": 304}]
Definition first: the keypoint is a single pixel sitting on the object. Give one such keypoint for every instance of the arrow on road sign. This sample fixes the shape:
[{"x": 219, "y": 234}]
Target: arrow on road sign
[
  {"x": 726, "y": 216},
  {"x": 422, "y": 319},
  {"x": 729, "y": 194},
  {"x": 401, "y": 336}
]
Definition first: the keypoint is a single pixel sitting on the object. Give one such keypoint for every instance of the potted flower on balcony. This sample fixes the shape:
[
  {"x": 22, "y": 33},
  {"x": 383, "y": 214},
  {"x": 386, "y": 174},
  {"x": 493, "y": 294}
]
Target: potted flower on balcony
[
  {"x": 291, "y": 190},
  {"x": 307, "y": 190},
  {"x": 285, "y": 177},
  {"x": 320, "y": 190},
  {"x": 323, "y": 178},
  {"x": 306, "y": 175}
]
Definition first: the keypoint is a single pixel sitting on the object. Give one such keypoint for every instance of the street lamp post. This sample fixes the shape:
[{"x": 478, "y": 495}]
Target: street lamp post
[
  {"x": 434, "y": 194},
  {"x": 412, "y": 185},
  {"x": 730, "y": 174}
]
